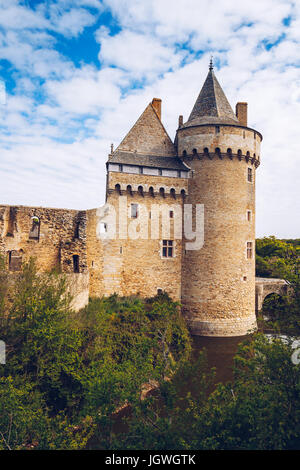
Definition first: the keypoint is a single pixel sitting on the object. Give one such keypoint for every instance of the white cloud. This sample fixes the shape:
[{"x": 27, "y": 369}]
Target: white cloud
[
  {"x": 138, "y": 54},
  {"x": 86, "y": 92},
  {"x": 53, "y": 152}
]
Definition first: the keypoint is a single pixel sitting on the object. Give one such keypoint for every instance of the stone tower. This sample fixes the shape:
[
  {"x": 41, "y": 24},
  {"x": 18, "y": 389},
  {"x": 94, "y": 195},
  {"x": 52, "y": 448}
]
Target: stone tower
[{"x": 218, "y": 281}]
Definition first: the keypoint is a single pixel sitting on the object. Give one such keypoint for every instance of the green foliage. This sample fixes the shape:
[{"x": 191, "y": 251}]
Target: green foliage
[
  {"x": 258, "y": 410},
  {"x": 280, "y": 259},
  {"x": 66, "y": 373},
  {"x": 26, "y": 424},
  {"x": 277, "y": 258}
]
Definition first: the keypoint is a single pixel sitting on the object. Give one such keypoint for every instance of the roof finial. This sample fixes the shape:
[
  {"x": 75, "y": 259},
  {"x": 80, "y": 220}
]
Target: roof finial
[{"x": 211, "y": 67}]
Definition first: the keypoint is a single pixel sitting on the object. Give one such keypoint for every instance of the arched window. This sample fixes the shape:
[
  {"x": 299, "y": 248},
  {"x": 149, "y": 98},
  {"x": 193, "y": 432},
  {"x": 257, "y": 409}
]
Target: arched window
[
  {"x": 217, "y": 151},
  {"x": 229, "y": 151},
  {"x": 34, "y": 233},
  {"x": 184, "y": 153},
  {"x": 151, "y": 191},
  {"x": 140, "y": 190},
  {"x": 129, "y": 189},
  {"x": 162, "y": 192},
  {"x": 239, "y": 152},
  {"x": 173, "y": 193},
  {"x": 118, "y": 188},
  {"x": 205, "y": 150},
  {"x": 194, "y": 151},
  {"x": 182, "y": 192}
]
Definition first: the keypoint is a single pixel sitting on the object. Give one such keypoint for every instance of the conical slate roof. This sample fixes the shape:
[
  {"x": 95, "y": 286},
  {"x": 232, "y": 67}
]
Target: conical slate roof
[{"x": 212, "y": 106}]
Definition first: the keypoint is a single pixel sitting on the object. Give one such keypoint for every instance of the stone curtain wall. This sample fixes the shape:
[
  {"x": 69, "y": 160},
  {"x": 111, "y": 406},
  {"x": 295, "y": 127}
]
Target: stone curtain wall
[{"x": 61, "y": 235}]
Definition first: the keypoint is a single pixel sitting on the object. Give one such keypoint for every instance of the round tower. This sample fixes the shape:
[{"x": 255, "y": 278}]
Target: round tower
[{"x": 218, "y": 280}]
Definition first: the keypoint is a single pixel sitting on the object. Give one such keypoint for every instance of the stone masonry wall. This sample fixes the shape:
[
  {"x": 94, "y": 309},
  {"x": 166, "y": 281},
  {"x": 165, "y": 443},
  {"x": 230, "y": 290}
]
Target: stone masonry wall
[
  {"x": 235, "y": 138},
  {"x": 130, "y": 266},
  {"x": 218, "y": 281},
  {"x": 59, "y": 236}
]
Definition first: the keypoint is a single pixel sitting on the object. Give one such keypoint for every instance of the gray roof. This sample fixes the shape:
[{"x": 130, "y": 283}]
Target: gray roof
[
  {"x": 212, "y": 106},
  {"x": 131, "y": 158}
]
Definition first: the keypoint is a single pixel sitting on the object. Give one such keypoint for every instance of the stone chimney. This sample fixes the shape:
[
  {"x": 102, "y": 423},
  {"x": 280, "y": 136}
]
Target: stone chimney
[
  {"x": 180, "y": 121},
  {"x": 241, "y": 113},
  {"x": 156, "y": 103}
]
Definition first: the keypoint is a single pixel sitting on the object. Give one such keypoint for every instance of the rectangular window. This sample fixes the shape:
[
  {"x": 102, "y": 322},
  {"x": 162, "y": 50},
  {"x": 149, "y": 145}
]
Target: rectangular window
[
  {"x": 249, "y": 250},
  {"x": 250, "y": 175},
  {"x": 217, "y": 129},
  {"x": 249, "y": 216},
  {"x": 167, "y": 249},
  {"x": 134, "y": 211},
  {"x": 75, "y": 263},
  {"x": 171, "y": 214},
  {"x": 14, "y": 261}
]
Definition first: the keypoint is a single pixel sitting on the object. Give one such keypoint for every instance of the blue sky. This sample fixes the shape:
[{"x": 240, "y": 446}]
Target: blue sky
[{"x": 78, "y": 73}]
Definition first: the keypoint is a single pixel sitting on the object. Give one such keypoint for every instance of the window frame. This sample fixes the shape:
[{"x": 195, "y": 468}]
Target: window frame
[
  {"x": 250, "y": 174},
  {"x": 167, "y": 249},
  {"x": 249, "y": 250},
  {"x": 136, "y": 206}
]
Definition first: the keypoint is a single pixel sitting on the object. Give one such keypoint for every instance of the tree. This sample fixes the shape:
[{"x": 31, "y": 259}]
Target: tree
[
  {"x": 66, "y": 373},
  {"x": 260, "y": 409}
]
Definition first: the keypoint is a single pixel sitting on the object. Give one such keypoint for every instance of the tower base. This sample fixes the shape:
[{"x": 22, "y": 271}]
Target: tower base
[{"x": 223, "y": 327}]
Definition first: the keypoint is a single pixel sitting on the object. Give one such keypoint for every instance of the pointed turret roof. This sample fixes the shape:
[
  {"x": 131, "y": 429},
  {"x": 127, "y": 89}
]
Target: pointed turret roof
[
  {"x": 212, "y": 106},
  {"x": 148, "y": 136}
]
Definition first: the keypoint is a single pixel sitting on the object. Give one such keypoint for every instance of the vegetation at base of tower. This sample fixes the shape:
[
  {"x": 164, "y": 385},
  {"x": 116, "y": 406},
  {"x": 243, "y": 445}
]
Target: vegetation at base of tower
[
  {"x": 66, "y": 373},
  {"x": 280, "y": 259},
  {"x": 259, "y": 410}
]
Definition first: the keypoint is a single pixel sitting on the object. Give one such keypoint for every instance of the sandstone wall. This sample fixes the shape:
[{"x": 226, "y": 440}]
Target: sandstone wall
[
  {"x": 218, "y": 281},
  {"x": 132, "y": 262},
  {"x": 235, "y": 138},
  {"x": 60, "y": 235}
]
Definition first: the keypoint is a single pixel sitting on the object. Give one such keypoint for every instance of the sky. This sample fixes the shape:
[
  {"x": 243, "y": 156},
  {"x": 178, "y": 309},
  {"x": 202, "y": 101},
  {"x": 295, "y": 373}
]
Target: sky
[{"x": 76, "y": 74}]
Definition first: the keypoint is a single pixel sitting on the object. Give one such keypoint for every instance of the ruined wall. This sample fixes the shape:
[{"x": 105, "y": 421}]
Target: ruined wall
[
  {"x": 60, "y": 234},
  {"x": 95, "y": 255},
  {"x": 52, "y": 237},
  {"x": 78, "y": 286}
]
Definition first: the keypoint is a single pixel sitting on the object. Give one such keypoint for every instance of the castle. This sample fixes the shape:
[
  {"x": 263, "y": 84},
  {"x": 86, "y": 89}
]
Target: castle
[{"x": 205, "y": 178}]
